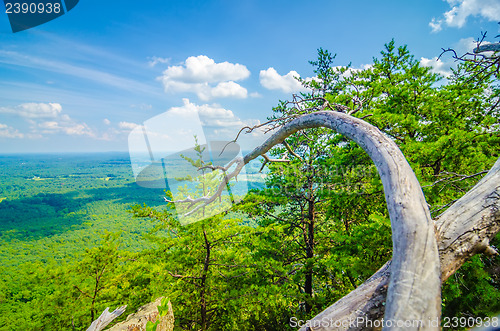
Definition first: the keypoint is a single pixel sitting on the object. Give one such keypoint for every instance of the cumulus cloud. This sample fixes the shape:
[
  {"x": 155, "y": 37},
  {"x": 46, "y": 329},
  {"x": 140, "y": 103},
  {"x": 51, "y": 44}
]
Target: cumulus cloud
[
  {"x": 68, "y": 127},
  {"x": 9, "y": 132},
  {"x": 46, "y": 118},
  {"x": 127, "y": 125},
  {"x": 208, "y": 79},
  {"x": 444, "y": 64},
  {"x": 203, "y": 69},
  {"x": 218, "y": 122},
  {"x": 229, "y": 89},
  {"x": 288, "y": 83},
  {"x": 437, "y": 66},
  {"x": 34, "y": 110},
  {"x": 210, "y": 115},
  {"x": 462, "y": 9},
  {"x": 106, "y": 121}
]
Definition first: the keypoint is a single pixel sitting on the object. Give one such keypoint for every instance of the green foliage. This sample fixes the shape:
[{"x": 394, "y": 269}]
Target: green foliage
[
  {"x": 204, "y": 264},
  {"x": 449, "y": 133},
  {"x": 448, "y": 130},
  {"x": 46, "y": 296},
  {"x": 203, "y": 185},
  {"x": 46, "y": 226},
  {"x": 94, "y": 270},
  {"x": 317, "y": 230},
  {"x": 474, "y": 290},
  {"x": 327, "y": 77}
]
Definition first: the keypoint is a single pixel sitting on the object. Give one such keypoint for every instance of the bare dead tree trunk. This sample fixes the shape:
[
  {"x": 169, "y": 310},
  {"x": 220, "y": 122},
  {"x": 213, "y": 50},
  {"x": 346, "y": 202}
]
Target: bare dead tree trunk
[
  {"x": 106, "y": 318},
  {"x": 414, "y": 289},
  {"x": 463, "y": 230}
]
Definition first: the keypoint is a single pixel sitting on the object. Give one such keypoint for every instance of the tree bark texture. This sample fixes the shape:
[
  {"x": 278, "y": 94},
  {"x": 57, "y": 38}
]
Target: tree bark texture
[
  {"x": 463, "y": 230},
  {"x": 414, "y": 287},
  {"x": 425, "y": 251}
]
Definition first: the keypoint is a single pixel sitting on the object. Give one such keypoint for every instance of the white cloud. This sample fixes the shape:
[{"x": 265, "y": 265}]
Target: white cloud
[
  {"x": 67, "y": 127},
  {"x": 255, "y": 95},
  {"x": 127, "y": 125},
  {"x": 212, "y": 115},
  {"x": 288, "y": 83},
  {"x": 78, "y": 130},
  {"x": 106, "y": 121},
  {"x": 199, "y": 75},
  {"x": 154, "y": 60},
  {"x": 9, "y": 132},
  {"x": 200, "y": 69},
  {"x": 437, "y": 66},
  {"x": 229, "y": 89},
  {"x": 350, "y": 71},
  {"x": 47, "y": 118},
  {"x": 34, "y": 110},
  {"x": 462, "y": 9},
  {"x": 436, "y": 25}
]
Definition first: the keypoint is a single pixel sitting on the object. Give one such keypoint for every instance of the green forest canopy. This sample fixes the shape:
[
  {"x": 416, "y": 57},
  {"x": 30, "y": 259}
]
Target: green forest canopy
[{"x": 315, "y": 232}]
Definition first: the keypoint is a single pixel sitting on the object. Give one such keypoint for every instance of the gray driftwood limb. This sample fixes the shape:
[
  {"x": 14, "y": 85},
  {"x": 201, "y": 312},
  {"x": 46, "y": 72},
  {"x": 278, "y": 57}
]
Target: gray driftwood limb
[
  {"x": 463, "y": 230},
  {"x": 406, "y": 289},
  {"x": 106, "y": 318},
  {"x": 414, "y": 290}
]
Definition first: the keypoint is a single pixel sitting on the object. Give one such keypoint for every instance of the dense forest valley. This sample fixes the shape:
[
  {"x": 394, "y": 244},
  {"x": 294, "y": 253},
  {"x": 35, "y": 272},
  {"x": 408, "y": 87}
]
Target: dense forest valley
[
  {"x": 79, "y": 235},
  {"x": 47, "y": 197}
]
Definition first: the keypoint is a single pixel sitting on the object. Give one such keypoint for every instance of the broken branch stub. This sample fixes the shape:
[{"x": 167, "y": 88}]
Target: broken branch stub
[{"x": 106, "y": 318}]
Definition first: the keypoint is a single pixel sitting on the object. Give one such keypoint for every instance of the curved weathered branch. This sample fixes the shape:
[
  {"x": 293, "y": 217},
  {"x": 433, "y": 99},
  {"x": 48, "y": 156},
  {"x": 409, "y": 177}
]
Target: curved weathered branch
[
  {"x": 414, "y": 288},
  {"x": 463, "y": 230}
]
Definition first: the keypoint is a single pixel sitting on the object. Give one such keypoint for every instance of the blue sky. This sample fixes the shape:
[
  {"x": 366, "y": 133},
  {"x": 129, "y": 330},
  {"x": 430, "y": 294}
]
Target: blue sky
[{"x": 84, "y": 81}]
